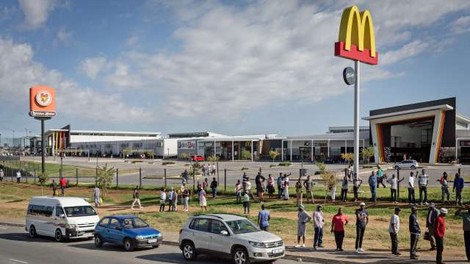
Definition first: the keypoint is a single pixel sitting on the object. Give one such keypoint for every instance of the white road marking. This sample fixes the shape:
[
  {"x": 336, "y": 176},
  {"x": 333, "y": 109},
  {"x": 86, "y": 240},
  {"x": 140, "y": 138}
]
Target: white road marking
[{"x": 18, "y": 261}]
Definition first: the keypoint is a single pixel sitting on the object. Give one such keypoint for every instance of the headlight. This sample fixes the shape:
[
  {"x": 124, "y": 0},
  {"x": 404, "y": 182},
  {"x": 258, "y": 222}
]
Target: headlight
[
  {"x": 139, "y": 237},
  {"x": 257, "y": 244},
  {"x": 159, "y": 234},
  {"x": 70, "y": 226}
]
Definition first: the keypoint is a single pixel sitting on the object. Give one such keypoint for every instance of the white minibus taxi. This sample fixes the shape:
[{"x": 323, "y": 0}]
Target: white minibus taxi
[{"x": 60, "y": 217}]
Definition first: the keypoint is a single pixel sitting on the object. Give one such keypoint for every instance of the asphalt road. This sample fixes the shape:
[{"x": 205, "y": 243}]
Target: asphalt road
[
  {"x": 17, "y": 248},
  {"x": 152, "y": 171}
]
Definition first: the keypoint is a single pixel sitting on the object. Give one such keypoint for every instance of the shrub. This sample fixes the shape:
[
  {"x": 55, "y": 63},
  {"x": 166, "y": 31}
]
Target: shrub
[
  {"x": 168, "y": 163},
  {"x": 285, "y": 163}
]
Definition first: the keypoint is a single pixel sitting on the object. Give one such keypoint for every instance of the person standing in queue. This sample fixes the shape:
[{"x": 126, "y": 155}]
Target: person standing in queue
[
  {"x": 415, "y": 232},
  {"x": 362, "y": 219},
  {"x": 439, "y": 235},
  {"x": 394, "y": 227},
  {"x": 338, "y": 227}
]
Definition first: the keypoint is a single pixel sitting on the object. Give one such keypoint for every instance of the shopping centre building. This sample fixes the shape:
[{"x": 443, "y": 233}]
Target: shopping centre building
[{"x": 429, "y": 132}]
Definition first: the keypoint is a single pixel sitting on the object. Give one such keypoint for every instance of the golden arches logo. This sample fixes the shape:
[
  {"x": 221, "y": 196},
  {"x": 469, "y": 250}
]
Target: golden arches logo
[{"x": 356, "y": 38}]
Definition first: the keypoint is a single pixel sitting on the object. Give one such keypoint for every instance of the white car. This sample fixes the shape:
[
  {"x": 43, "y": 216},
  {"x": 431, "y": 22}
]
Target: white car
[
  {"x": 407, "y": 164},
  {"x": 229, "y": 235}
]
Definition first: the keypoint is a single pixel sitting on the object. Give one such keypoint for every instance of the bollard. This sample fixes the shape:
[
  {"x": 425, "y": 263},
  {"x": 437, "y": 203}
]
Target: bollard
[
  {"x": 164, "y": 176},
  {"x": 140, "y": 178},
  {"x": 117, "y": 178},
  {"x": 76, "y": 176},
  {"x": 225, "y": 181}
]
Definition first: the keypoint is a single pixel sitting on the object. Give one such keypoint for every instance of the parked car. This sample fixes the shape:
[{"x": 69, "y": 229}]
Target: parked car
[
  {"x": 407, "y": 164},
  {"x": 129, "y": 231},
  {"x": 60, "y": 217},
  {"x": 229, "y": 235},
  {"x": 197, "y": 158}
]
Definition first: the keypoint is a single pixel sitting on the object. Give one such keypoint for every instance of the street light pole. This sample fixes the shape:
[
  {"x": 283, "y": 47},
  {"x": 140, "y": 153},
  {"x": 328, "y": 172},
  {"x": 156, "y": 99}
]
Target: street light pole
[{"x": 356, "y": 117}]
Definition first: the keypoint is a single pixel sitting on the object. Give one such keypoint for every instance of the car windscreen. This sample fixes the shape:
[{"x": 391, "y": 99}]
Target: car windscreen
[
  {"x": 134, "y": 223},
  {"x": 76, "y": 211},
  {"x": 242, "y": 226}
]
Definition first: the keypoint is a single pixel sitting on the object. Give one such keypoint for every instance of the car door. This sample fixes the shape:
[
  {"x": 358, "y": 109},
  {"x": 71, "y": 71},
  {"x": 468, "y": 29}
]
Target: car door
[
  {"x": 115, "y": 234},
  {"x": 102, "y": 229},
  {"x": 217, "y": 241},
  {"x": 200, "y": 233}
]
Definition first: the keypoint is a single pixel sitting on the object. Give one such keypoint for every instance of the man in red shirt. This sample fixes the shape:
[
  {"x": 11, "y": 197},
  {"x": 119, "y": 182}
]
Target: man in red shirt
[
  {"x": 337, "y": 226},
  {"x": 439, "y": 235},
  {"x": 63, "y": 184}
]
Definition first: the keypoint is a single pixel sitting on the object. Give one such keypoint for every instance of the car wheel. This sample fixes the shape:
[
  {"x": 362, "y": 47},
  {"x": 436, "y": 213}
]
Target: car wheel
[
  {"x": 58, "y": 235},
  {"x": 412, "y": 167},
  {"x": 189, "y": 252},
  {"x": 240, "y": 256},
  {"x": 32, "y": 232},
  {"x": 98, "y": 241},
  {"x": 128, "y": 245}
]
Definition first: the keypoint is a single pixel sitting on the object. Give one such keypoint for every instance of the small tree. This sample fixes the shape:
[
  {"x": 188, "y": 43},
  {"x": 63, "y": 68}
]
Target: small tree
[
  {"x": 368, "y": 153},
  {"x": 328, "y": 177},
  {"x": 348, "y": 157},
  {"x": 273, "y": 154},
  {"x": 184, "y": 156},
  {"x": 104, "y": 177},
  {"x": 246, "y": 155},
  {"x": 213, "y": 158}
]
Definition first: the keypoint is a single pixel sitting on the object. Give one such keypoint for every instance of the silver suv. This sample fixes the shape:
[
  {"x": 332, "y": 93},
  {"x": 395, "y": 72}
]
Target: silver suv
[{"x": 229, "y": 235}]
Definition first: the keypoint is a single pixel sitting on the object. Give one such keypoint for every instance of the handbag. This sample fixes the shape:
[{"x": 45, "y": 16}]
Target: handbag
[{"x": 427, "y": 236}]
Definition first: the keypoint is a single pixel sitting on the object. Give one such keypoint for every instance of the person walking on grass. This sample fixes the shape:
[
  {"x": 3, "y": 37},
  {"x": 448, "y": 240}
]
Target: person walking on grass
[
  {"x": 439, "y": 235},
  {"x": 308, "y": 184},
  {"x": 203, "y": 200},
  {"x": 246, "y": 203},
  {"x": 214, "y": 185},
  {"x": 318, "y": 222},
  {"x": 458, "y": 187},
  {"x": 444, "y": 187},
  {"x": 394, "y": 187},
  {"x": 185, "y": 194},
  {"x": 280, "y": 188},
  {"x": 63, "y": 185},
  {"x": 338, "y": 227},
  {"x": 302, "y": 219},
  {"x": 298, "y": 192},
  {"x": 411, "y": 188},
  {"x": 162, "y": 200},
  {"x": 431, "y": 218},
  {"x": 357, "y": 182},
  {"x": 394, "y": 227},
  {"x": 344, "y": 188},
  {"x": 54, "y": 187},
  {"x": 362, "y": 219},
  {"x": 380, "y": 177},
  {"x": 136, "y": 197},
  {"x": 415, "y": 232},
  {"x": 263, "y": 218},
  {"x": 18, "y": 176},
  {"x": 373, "y": 186},
  {"x": 423, "y": 180},
  {"x": 238, "y": 191},
  {"x": 466, "y": 228},
  {"x": 97, "y": 196}
]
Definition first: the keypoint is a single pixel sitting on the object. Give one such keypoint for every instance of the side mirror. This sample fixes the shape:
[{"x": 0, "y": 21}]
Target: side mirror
[
  {"x": 62, "y": 216},
  {"x": 224, "y": 232}
]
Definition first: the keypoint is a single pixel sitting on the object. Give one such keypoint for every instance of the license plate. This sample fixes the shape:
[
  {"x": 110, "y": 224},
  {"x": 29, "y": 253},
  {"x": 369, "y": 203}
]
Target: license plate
[
  {"x": 152, "y": 241},
  {"x": 277, "y": 251}
]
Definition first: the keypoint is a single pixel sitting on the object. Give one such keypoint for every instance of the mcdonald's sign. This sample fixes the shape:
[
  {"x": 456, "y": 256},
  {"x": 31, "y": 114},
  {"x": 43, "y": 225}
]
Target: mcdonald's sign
[{"x": 356, "y": 40}]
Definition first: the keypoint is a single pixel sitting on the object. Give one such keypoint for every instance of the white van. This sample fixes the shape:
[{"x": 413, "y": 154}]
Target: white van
[{"x": 60, "y": 217}]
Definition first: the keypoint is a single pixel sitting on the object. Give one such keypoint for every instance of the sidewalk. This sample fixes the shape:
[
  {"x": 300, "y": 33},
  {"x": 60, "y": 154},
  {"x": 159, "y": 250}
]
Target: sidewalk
[{"x": 323, "y": 255}]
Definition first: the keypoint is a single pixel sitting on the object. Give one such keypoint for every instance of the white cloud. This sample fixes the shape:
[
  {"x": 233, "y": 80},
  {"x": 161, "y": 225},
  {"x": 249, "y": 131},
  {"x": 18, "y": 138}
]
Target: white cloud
[
  {"x": 92, "y": 66},
  {"x": 36, "y": 12},
  {"x": 461, "y": 25},
  {"x": 64, "y": 35},
  {"x": 235, "y": 59},
  {"x": 131, "y": 41},
  {"x": 19, "y": 71}
]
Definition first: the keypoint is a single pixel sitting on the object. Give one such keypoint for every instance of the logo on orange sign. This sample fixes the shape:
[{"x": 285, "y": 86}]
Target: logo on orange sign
[{"x": 356, "y": 40}]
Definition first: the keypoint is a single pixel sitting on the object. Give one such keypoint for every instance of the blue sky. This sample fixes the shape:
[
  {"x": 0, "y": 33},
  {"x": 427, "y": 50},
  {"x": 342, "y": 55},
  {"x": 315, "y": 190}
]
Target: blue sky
[{"x": 232, "y": 67}]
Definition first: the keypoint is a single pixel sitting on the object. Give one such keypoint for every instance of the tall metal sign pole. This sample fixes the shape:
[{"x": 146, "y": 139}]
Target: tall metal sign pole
[
  {"x": 42, "y": 107},
  {"x": 356, "y": 41}
]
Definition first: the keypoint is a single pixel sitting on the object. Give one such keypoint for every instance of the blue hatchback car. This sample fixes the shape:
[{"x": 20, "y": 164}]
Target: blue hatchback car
[{"x": 129, "y": 231}]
